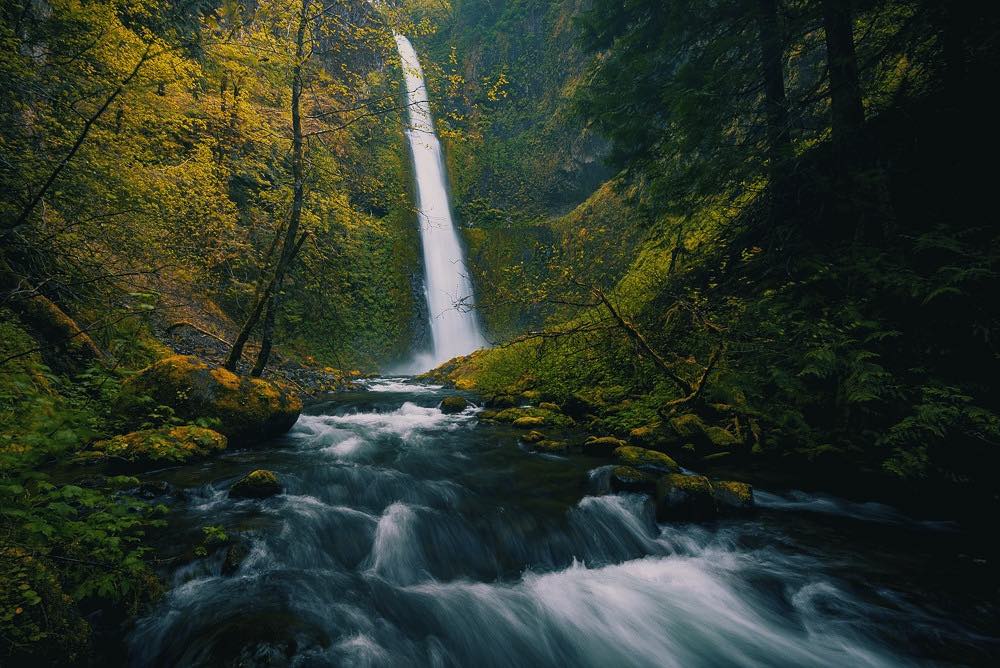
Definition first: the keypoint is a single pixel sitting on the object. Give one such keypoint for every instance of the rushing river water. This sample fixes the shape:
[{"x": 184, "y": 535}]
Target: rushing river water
[{"x": 407, "y": 537}]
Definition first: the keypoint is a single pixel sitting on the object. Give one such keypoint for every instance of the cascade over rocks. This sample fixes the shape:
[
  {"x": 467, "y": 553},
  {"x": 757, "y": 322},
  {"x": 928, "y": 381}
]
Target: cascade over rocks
[{"x": 249, "y": 410}]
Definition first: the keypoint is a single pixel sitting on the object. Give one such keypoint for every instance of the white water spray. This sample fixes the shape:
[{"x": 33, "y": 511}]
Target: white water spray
[{"x": 450, "y": 301}]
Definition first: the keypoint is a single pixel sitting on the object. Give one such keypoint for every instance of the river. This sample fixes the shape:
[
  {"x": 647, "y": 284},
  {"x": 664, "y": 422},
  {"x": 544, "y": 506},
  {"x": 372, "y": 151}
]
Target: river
[{"x": 407, "y": 537}]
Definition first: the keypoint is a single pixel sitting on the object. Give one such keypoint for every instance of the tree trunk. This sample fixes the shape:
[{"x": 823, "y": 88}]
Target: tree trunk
[
  {"x": 267, "y": 333},
  {"x": 775, "y": 101},
  {"x": 298, "y": 187},
  {"x": 848, "y": 114}
]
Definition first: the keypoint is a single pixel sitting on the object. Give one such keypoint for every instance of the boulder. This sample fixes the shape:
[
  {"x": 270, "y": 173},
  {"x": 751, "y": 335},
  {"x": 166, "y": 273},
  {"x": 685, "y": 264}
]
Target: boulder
[
  {"x": 531, "y": 396},
  {"x": 528, "y": 421},
  {"x": 578, "y": 405},
  {"x": 502, "y": 401},
  {"x": 720, "y": 438},
  {"x": 549, "y": 406},
  {"x": 630, "y": 479},
  {"x": 236, "y": 554},
  {"x": 602, "y": 445},
  {"x": 630, "y": 455},
  {"x": 258, "y": 484},
  {"x": 155, "y": 448},
  {"x": 689, "y": 427},
  {"x": 548, "y": 445},
  {"x": 684, "y": 497},
  {"x": 487, "y": 414},
  {"x": 732, "y": 496},
  {"x": 249, "y": 410},
  {"x": 533, "y": 437},
  {"x": 453, "y": 404}
]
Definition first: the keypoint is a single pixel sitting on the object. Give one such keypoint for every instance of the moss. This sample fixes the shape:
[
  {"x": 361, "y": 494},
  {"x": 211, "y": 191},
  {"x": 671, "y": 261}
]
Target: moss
[
  {"x": 531, "y": 396},
  {"x": 602, "y": 445},
  {"x": 39, "y": 625},
  {"x": 688, "y": 426},
  {"x": 547, "y": 417},
  {"x": 258, "y": 484},
  {"x": 640, "y": 457},
  {"x": 549, "y": 406},
  {"x": 548, "y": 445},
  {"x": 720, "y": 438},
  {"x": 533, "y": 437},
  {"x": 631, "y": 479},
  {"x": 528, "y": 421},
  {"x": 453, "y": 404},
  {"x": 731, "y": 495},
  {"x": 487, "y": 414},
  {"x": 687, "y": 497},
  {"x": 248, "y": 409},
  {"x": 152, "y": 448}
]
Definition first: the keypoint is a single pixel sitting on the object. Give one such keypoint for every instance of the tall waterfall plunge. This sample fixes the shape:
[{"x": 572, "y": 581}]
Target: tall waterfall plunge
[{"x": 450, "y": 300}]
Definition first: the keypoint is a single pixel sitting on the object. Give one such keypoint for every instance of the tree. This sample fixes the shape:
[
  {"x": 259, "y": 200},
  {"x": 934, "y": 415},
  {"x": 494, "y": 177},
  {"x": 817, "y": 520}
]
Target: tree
[{"x": 847, "y": 113}]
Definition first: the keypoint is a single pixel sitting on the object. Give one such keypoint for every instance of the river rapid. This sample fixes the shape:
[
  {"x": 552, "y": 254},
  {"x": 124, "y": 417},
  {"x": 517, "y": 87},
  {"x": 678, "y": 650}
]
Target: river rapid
[{"x": 407, "y": 537}]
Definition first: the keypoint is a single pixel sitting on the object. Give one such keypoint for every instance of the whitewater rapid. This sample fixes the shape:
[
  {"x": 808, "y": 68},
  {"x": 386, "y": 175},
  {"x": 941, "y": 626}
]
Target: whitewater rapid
[
  {"x": 409, "y": 537},
  {"x": 450, "y": 300}
]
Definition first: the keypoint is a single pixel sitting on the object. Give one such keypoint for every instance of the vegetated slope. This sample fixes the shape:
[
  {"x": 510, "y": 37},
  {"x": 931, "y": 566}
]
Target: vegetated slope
[{"x": 840, "y": 329}]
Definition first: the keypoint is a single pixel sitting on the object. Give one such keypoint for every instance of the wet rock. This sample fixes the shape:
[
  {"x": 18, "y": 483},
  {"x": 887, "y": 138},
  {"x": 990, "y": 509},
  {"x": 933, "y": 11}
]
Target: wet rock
[
  {"x": 684, "y": 497},
  {"x": 548, "y": 445},
  {"x": 236, "y": 554},
  {"x": 732, "y": 496},
  {"x": 630, "y": 455},
  {"x": 528, "y": 421},
  {"x": 630, "y": 479},
  {"x": 533, "y": 437},
  {"x": 155, "y": 448},
  {"x": 602, "y": 445},
  {"x": 258, "y": 484},
  {"x": 453, "y": 404},
  {"x": 248, "y": 409}
]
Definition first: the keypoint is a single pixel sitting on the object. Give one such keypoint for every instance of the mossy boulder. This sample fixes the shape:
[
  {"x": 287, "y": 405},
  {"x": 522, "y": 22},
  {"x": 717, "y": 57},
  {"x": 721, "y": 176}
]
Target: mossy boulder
[
  {"x": 533, "y": 436},
  {"x": 602, "y": 445},
  {"x": 531, "y": 396},
  {"x": 487, "y": 414},
  {"x": 688, "y": 427},
  {"x": 258, "y": 484},
  {"x": 249, "y": 410},
  {"x": 39, "y": 624},
  {"x": 631, "y": 479},
  {"x": 547, "y": 417},
  {"x": 453, "y": 404},
  {"x": 720, "y": 438},
  {"x": 578, "y": 405},
  {"x": 692, "y": 429},
  {"x": 549, "y": 406},
  {"x": 528, "y": 421},
  {"x": 549, "y": 445},
  {"x": 732, "y": 496},
  {"x": 630, "y": 455},
  {"x": 501, "y": 401},
  {"x": 684, "y": 497},
  {"x": 155, "y": 448}
]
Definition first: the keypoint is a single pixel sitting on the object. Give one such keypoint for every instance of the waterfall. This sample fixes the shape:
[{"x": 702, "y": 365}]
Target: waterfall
[{"x": 450, "y": 301}]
